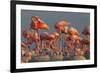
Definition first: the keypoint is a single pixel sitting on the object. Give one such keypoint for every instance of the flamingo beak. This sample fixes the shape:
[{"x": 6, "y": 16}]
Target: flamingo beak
[{"x": 45, "y": 26}]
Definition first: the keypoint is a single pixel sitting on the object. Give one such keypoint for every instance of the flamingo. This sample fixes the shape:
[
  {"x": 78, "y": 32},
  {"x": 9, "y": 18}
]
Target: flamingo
[
  {"x": 43, "y": 39},
  {"x": 73, "y": 40},
  {"x": 26, "y": 55},
  {"x": 86, "y": 30},
  {"x": 65, "y": 31},
  {"x": 47, "y": 38},
  {"x": 31, "y": 37},
  {"x": 23, "y": 48},
  {"x": 60, "y": 28},
  {"x": 85, "y": 43},
  {"x": 86, "y": 40},
  {"x": 28, "y": 36},
  {"x": 73, "y": 34},
  {"x": 76, "y": 40},
  {"x": 73, "y": 31},
  {"x": 56, "y": 38},
  {"x": 38, "y": 24}
]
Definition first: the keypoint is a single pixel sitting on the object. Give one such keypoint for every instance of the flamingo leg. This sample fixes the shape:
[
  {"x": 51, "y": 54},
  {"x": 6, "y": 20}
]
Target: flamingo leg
[
  {"x": 57, "y": 43},
  {"x": 64, "y": 41},
  {"x": 49, "y": 44},
  {"x": 41, "y": 44},
  {"x": 37, "y": 40},
  {"x": 54, "y": 42},
  {"x": 45, "y": 44},
  {"x": 60, "y": 40}
]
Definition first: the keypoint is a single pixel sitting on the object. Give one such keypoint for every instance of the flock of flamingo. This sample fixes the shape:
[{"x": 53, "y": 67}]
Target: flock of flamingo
[{"x": 49, "y": 46}]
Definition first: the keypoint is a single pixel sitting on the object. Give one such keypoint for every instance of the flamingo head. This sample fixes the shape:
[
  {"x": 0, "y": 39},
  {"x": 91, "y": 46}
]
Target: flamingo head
[
  {"x": 63, "y": 23},
  {"x": 73, "y": 31},
  {"x": 56, "y": 34},
  {"x": 25, "y": 34},
  {"x": 60, "y": 26},
  {"x": 52, "y": 36},
  {"x": 64, "y": 30},
  {"x": 38, "y": 23},
  {"x": 86, "y": 31}
]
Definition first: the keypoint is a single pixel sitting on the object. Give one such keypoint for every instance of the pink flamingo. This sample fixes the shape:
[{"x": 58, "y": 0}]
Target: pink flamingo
[
  {"x": 60, "y": 28},
  {"x": 56, "y": 39},
  {"x": 38, "y": 24},
  {"x": 73, "y": 40},
  {"x": 31, "y": 37},
  {"x": 47, "y": 38},
  {"x": 86, "y": 40},
  {"x": 72, "y": 31},
  {"x": 28, "y": 35}
]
